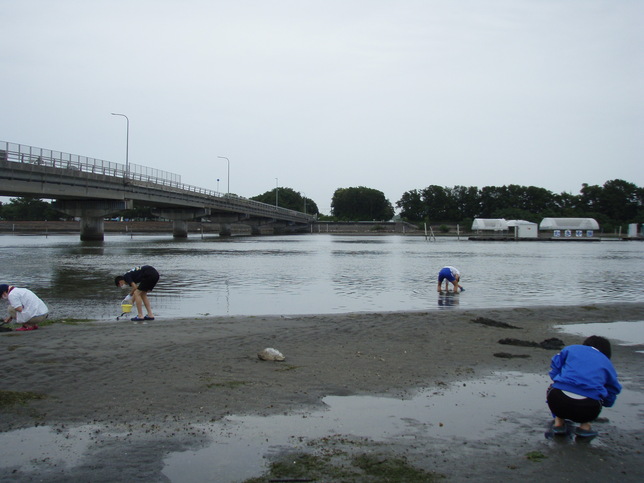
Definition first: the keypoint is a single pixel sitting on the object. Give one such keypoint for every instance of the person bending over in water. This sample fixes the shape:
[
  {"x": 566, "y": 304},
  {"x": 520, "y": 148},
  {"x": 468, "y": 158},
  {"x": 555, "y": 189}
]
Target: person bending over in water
[
  {"x": 584, "y": 381},
  {"x": 450, "y": 275},
  {"x": 140, "y": 280}
]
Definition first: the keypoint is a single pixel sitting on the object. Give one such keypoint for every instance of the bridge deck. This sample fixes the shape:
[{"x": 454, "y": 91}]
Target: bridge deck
[{"x": 30, "y": 171}]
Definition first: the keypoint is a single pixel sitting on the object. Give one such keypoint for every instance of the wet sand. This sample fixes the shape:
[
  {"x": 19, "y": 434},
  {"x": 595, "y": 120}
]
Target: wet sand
[{"x": 156, "y": 381}]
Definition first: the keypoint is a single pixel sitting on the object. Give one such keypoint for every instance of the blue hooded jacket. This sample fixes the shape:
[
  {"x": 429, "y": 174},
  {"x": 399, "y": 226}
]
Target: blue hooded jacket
[{"x": 584, "y": 370}]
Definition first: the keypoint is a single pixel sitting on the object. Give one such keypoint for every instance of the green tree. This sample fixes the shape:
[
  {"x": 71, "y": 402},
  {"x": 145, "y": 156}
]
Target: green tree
[
  {"x": 492, "y": 199},
  {"x": 411, "y": 206},
  {"x": 361, "y": 203},
  {"x": 288, "y": 198},
  {"x": 620, "y": 200},
  {"x": 589, "y": 197},
  {"x": 29, "y": 209},
  {"x": 564, "y": 204},
  {"x": 466, "y": 202},
  {"x": 528, "y": 202},
  {"x": 537, "y": 200},
  {"x": 438, "y": 202}
]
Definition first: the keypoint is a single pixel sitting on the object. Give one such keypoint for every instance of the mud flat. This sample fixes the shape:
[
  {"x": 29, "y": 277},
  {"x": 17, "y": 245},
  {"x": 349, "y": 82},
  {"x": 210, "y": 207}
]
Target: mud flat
[{"x": 118, "y": 399}]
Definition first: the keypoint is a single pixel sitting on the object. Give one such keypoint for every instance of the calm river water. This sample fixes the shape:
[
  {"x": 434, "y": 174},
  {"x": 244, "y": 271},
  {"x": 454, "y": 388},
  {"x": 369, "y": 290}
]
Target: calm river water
[{"x": 317, "y": 273}]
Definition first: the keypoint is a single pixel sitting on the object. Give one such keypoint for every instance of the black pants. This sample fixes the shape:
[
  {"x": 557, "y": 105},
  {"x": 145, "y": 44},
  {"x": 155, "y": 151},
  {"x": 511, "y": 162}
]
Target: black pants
[{"x": 577, "y": 410}]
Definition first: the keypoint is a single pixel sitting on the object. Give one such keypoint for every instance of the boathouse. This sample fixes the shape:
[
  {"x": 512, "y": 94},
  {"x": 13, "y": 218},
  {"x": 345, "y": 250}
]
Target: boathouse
[
  {"x": 570, "y": 228},
  {"x": 489, "y": 224},
  {"x": 524, "y": 229}
]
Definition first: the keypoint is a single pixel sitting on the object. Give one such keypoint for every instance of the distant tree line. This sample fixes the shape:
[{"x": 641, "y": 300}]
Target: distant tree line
[
  {"x": 28, "y": 209},
  {"x": 35, "y": 209},
  {"x": 615, "y": 203}
]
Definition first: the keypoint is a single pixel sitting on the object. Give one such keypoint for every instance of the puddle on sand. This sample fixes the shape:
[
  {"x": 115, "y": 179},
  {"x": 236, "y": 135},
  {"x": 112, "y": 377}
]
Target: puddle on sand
[
  {"x": 473, "y": 410},
  {"x": 240, "y": 443},
  {"x": 506, "y": 403},
  {"x": 30, "y": 448},
  {"x": 626, "y": 333}
]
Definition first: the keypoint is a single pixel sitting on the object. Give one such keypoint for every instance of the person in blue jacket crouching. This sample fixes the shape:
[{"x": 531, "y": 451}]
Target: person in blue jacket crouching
[{"x": 584, "y": 382}]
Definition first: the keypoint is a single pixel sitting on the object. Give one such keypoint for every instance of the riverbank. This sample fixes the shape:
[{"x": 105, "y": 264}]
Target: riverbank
[
  {"x": 132, "y": 228},
  {"x": 153, "y": 383},
  {"x": 206, "y": 228}
]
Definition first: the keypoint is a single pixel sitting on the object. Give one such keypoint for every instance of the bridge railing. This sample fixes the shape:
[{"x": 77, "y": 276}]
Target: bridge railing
[{"x": 21, "y": 153}]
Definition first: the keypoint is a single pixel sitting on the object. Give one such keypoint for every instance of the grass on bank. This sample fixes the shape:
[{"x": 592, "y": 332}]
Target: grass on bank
[
  {"x": 363, "y": 467},
  {"x": 12, "y": 398},
  {"x": 48, "y": 322}
]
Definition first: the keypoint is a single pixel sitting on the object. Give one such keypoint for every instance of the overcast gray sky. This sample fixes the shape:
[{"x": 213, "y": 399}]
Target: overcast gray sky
[{"x": 393, "y": 95}]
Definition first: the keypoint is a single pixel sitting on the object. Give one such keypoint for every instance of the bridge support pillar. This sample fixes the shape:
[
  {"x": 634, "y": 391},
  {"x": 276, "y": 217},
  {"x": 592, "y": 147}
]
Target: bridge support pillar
[
  {"x": 180, "y": 217},
  {"x": 279, "y": 228},
  {"x": 180, "y": 228},
  {"x": 225, "y": 230},
  {"x": 255, "y": 230},
  {"x": 92, "y": 228},
  {"x": 91, "y": 214}
]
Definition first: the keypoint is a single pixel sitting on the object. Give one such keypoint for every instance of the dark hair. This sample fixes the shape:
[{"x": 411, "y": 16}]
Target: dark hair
[
  {"x": 117, "y": 279},
  {"x": 599, "y": 343}
]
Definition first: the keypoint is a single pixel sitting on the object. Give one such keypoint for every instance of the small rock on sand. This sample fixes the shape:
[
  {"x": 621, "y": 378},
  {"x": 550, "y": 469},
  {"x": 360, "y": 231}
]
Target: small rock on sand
[{"x": 270, "y": 354}]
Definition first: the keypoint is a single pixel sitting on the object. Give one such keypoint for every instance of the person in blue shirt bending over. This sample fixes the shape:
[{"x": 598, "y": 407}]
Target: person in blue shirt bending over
[
  {"x": 584, "y": 382},
  {"x": 451, "y": 275}
]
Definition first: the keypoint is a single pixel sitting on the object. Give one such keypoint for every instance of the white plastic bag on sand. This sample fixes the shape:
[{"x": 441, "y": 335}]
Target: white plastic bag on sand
[{"x": 270, "y": 354}]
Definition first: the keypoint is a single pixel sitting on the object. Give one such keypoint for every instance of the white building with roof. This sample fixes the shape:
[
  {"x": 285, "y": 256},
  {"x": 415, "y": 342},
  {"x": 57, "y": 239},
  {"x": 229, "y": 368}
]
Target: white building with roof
[
  {"x": 524, "y": 229},
  {"x": 570, "y": 228},
  {"x": 489, "y": 224}
]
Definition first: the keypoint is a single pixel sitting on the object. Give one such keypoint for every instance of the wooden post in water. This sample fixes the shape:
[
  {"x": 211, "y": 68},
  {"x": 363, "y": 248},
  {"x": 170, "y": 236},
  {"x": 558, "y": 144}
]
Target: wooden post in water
[{"x": 430, "y": 231}]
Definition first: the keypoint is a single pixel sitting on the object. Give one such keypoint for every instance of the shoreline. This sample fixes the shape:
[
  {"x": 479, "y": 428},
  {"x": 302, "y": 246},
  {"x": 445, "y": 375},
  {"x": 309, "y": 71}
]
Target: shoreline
[
  {"x": 196, "y": 228},
  {"x": 199, "y": 370}
]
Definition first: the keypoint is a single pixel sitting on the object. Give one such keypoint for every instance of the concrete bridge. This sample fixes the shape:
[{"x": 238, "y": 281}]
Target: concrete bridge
[{"x": 92, "y": 189}]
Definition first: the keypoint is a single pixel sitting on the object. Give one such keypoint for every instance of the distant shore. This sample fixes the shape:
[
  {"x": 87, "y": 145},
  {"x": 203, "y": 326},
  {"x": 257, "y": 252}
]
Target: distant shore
[
  {"x": 204, "y": 228},
  {"x": 168, "y": 375}
]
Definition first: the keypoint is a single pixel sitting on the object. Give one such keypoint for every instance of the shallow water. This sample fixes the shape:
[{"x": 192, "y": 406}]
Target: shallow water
[
  {"x": 309, "y": 274},
  {"x": 436, "y": 413},
  {"x": 509, "y": 404},
  {"x": 623, "y": 333}
]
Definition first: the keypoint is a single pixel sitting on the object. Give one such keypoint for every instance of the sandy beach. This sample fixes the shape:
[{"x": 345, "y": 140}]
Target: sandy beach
[{"x": 161, "y": 379}]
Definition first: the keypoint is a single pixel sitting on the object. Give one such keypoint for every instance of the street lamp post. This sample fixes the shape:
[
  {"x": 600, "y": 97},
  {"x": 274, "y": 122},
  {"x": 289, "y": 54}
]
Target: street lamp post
[
  {"x": 127, "y": 145},
  {"x": 277, "y": 190},
  {"x": 228, "y": 160}
]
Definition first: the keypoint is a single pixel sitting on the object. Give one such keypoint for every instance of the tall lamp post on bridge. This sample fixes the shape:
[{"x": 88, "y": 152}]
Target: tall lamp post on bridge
[
  {"x": 228, "y": 160},
  {"x": 277, "y": 190},
  {"x": 127, "y": 145}
]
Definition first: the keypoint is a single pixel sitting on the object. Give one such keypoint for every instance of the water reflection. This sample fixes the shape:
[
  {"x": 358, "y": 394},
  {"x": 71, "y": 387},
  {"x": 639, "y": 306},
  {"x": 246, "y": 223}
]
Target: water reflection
[
  {"x": 448, "y": 299},
  {"x": 317, "y": 273}
]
